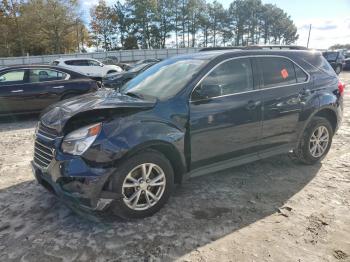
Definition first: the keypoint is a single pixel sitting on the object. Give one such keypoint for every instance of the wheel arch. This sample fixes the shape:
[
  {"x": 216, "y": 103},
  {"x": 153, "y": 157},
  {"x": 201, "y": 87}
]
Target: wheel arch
[
  {"x": 330, "y": 115},
  {"x": 326, "y": 112},
  {"x": 167, "y": 149}
]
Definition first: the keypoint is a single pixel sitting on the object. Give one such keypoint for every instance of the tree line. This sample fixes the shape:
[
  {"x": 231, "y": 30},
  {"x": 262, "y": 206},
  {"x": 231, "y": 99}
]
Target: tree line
[
  {"x": 189, "y": 23},
  {"x": 41, "y": 27},
  {"x": 55, "y": 26}
]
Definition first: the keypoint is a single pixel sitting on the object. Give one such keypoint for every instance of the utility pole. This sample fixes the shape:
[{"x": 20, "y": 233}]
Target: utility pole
[{"x": 308, "y": 39}]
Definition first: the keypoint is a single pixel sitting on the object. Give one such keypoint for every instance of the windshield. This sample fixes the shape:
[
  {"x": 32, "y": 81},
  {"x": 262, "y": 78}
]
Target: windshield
[
  {"x": 138, "y": 68},
  {"x": 330, "y": 56},
  {"x": 164, "y": 79}
]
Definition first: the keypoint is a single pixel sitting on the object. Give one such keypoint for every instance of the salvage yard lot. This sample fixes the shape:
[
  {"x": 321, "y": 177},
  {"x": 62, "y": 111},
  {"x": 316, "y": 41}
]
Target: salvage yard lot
[{"x": 271, "y": 210}]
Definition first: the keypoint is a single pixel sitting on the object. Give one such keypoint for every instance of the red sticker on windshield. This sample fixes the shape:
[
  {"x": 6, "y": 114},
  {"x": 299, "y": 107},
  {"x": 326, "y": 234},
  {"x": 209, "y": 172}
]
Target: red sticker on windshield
[{"x": 284, "y": 73}]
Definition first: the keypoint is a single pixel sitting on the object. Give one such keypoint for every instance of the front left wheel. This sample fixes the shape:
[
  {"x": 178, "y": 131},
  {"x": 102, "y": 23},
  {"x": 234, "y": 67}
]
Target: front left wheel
[{"x": 145, "y": 182}]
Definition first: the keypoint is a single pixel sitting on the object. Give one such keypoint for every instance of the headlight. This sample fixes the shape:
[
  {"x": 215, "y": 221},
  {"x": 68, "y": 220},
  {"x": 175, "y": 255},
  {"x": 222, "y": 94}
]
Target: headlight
[{"x": 78, "y": 141}]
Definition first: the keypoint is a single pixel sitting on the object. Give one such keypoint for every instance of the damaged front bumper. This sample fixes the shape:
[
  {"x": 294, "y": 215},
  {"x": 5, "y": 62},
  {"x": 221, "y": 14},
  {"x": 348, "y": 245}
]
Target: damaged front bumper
[{"x": 77, "y": 184}]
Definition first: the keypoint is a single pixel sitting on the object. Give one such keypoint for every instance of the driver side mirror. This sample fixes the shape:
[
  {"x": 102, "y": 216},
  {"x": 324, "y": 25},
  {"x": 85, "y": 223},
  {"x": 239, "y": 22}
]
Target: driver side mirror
[
  {"x": 2, "y": 78},
  {"x": 206, "y": 91}
]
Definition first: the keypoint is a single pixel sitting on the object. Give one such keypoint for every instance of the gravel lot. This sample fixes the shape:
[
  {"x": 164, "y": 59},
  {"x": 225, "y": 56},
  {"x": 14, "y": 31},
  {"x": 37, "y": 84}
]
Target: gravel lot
[{"x": 271, "y": 210}]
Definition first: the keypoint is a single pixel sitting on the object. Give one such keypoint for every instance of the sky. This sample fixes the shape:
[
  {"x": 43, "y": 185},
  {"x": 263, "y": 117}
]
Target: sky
[{"x": 330, "y": 19}]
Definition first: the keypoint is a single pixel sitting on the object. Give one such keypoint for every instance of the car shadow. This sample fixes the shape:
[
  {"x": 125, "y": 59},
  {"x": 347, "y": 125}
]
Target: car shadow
[
  {"x": 18, "y": 122},
  {"x": 35, "y": 224}
]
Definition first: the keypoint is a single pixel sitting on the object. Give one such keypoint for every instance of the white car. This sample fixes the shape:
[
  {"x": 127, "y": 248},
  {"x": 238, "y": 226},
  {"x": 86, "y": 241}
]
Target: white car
[{"x": 87, "y": 66}]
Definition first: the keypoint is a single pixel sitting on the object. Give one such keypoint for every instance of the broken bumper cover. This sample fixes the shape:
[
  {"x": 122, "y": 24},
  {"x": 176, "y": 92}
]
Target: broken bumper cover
[{"x": 76, "y": 184}]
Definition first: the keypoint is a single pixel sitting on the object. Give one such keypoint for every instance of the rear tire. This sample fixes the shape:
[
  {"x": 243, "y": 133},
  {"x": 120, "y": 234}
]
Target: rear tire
[
  {"x": 315, "y": 141},
  {"x": 141, "y": 196}
]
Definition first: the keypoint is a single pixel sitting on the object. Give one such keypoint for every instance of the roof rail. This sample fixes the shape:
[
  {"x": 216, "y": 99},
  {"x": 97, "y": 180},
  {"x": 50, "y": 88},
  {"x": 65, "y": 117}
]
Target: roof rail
[{"x": 255, "y": 47}]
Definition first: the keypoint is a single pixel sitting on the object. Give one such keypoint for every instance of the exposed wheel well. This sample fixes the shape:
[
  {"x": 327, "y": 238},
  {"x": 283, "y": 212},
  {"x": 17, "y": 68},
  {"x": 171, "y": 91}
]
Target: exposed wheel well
[
  {"x": 175, "y": 159},
  {"x": 330, "y": 116}
]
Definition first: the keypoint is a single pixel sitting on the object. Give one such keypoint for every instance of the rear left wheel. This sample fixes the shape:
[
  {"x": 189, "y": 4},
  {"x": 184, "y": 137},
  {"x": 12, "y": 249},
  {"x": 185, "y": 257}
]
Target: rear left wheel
[
  {"x": 315, "y": 142},
  {"x": 145, "y": 182}
]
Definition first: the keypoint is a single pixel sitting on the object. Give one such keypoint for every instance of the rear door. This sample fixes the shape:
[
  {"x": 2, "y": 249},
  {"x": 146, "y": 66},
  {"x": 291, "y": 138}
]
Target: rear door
[
  {"x": 226, "y": 123},
  {"x": 45, "y": 87},
  {"x": 284, "y": 86},
  {"x": 95, "y": 69}
]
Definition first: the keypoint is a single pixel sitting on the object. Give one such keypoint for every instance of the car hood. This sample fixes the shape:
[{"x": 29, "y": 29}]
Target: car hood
[{"x": 56, "y": 116}]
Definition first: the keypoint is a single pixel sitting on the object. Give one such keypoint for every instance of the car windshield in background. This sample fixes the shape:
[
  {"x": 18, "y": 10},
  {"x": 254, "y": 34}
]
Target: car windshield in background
[
  {"x": 164, "y": 79},
  {"x": 331, "y": 56},
  {"x": 138, "y": 68}
]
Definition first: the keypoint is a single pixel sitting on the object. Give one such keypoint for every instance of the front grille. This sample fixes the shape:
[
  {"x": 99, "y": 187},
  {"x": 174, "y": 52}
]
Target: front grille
[
  {"x": 46, "y": 132},
  {"x": 43, "y": 154}
]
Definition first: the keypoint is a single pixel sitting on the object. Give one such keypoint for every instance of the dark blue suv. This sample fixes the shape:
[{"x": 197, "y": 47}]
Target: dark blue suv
[{"x": 183, "y": 117}]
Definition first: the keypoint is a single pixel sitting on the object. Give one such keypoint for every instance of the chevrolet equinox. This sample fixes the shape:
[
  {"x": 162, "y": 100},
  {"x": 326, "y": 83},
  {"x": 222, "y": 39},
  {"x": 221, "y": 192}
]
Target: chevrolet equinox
[{"x": 124, "y": 150}]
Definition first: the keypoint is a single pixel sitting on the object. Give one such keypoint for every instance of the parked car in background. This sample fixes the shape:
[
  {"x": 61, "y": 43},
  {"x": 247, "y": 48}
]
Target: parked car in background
[
  {"x": 113, "y": 60},
  {"x": 347, "y": 64},
  {"x": 117, "y": 80},
  {"x": 30, "y": 89},
  {"x": 336, "y": 59},
  {"x": 145, "y": 61},
  {"x": 87, "y": 66},
  {"x": 186, "y": 116}
]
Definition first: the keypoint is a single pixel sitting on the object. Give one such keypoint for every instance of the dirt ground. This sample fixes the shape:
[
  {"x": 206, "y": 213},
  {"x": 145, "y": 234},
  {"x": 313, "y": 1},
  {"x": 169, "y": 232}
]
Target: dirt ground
[{"x": 271, "y": 210}]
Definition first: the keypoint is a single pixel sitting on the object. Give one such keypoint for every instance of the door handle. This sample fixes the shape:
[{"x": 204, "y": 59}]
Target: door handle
[
  {"x": 17, "y": 91},
  {"x": 58, "y": 87},
  {"x": 252, "y": 104}
]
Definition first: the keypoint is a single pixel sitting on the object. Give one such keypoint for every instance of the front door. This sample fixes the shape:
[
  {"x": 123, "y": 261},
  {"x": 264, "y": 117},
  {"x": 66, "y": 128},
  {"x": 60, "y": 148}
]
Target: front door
[
  {"x": 12, "y": 85},
  {"x": 225, "y": 114}
]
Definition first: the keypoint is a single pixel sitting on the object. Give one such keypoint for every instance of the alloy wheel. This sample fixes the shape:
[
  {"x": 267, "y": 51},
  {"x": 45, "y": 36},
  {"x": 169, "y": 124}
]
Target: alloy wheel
[
  {"x": 144, "y": 186},
  {"x": 319, "y": 141}
]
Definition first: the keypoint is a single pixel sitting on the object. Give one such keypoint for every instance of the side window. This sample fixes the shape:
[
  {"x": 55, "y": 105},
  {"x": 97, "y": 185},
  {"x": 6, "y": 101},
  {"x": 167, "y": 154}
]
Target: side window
[
  {"x": 12, "y": 77},
  {"x": 44, "y": 75},
  {"x": 300, "y": 74},
  {"x": 277, "y": 71},
  {"x": 93, "y": 63},
  {"x": 77, "y": 62},
  {"x": 234, "y": 76}
]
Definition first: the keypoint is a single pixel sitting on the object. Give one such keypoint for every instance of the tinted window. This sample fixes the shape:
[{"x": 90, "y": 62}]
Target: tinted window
[
  {"x": 77, "y": 62},
  {"x": 277, "y": 71},
  {"x": 44, "y": 75},
  {"x": 231, "y": 77},
  {"x": 12, "y": 77},
  {"x": 93, "y": 63},
  {"x": 300, "y": 74}
]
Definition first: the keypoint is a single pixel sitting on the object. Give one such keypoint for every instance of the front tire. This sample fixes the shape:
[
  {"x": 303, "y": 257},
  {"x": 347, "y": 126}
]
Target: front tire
[
  {"x": 145, "y": 182},
  {"x": 315, "y": 142}
]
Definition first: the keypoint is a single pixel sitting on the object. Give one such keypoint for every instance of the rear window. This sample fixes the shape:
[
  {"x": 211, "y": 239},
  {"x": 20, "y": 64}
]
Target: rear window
[
  {"x": 326, "y": 67},
  {"x": 277, "y": 71}
]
